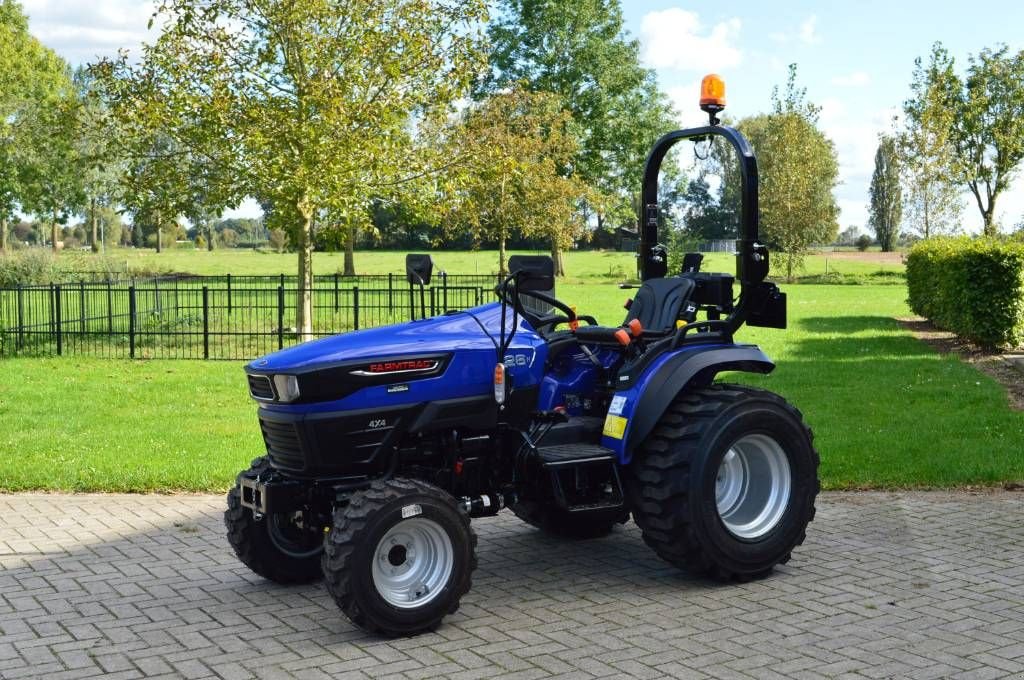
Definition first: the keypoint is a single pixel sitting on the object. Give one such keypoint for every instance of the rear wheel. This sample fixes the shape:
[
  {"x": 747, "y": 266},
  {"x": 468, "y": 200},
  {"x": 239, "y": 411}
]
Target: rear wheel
[
  {"x": 399, "y": 557},
  {"x": 726, "y": 482},
  {"x": 279, "y": 547}
]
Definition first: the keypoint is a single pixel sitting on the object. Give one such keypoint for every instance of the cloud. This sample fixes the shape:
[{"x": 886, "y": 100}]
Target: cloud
[
  {"x": 809, "y": 31},
  {"x": 83, "y": 31},
  {"x": 685, "y": 98},
  {"x": 675, "y": 38},
  {"x": 855, "y": 79}
]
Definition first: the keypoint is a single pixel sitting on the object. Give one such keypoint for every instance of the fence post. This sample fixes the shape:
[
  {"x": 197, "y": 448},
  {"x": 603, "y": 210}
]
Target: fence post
[
  {"x": 131, "y": 321},
  {"x": 81, "y": 304},
  {"x": 355, "y": 307},
  {"x": 60, "y": 329},
  {"x": 280, "y": 315},
  {"x": 282, "y": 280},
  {"x": 206, "y": 322},
  {"x": 444, "y": 289},
  {"x": 391, "y": 292},
  {"x": 335, "y": 292},
  {"x": 53, "y": 320},
  {"x": 110, "y": 310},
  {"x": 21, "y": 319},
  {"x": 433, "y": 301},
  {"x": 229, "y": 294}
]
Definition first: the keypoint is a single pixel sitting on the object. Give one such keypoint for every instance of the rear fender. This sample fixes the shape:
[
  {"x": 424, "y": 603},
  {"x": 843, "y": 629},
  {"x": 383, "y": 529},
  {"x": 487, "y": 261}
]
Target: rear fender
[{"x": 635, "y": 410}]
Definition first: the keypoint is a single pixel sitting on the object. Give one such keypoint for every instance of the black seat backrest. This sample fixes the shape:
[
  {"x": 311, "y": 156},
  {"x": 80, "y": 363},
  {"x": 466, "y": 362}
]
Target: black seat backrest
[{"x": 659, "y": 302}]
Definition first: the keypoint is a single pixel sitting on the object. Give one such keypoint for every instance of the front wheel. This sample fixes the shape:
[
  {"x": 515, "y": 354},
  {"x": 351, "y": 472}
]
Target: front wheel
[
  {"x": 726, "y": 482},
  {"x": 399, "y": 557}
]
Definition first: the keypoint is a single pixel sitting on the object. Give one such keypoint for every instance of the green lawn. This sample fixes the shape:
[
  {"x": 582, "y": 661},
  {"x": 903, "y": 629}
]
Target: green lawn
[
  {"x": 580, "y": 265},
  {"x": 886, "y": 410}
]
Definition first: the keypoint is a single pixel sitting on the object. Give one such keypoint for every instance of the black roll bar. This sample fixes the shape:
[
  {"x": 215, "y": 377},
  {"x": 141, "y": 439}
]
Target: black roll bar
[{"x": 751, "y": 256}]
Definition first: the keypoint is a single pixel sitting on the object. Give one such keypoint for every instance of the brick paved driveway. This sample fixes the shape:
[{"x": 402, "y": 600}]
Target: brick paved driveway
[{"x": 923, "y": 585}]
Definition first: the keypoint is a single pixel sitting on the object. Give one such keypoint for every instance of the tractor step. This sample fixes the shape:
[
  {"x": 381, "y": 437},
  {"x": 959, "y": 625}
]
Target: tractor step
[
  {"x": 573, "y": 454},
  {"x": 583, "y": 476}
]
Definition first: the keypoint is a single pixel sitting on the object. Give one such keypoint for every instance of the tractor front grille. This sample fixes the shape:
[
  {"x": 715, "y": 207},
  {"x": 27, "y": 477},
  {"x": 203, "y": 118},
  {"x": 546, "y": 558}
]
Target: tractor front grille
[
  {"x": 283, "y": 444},
  {"x": 260, "y": 387}
]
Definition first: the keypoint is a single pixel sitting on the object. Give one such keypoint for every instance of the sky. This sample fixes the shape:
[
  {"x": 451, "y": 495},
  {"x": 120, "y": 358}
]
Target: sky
[{"x": 854, "y": 58}]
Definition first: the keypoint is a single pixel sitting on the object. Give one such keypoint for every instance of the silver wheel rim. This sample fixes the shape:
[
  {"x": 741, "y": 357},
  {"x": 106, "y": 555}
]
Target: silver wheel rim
[
  {"x": 412, "y": 563},
  {"x": 293, "y": 539},
  {"x": 753, "y": 486}
]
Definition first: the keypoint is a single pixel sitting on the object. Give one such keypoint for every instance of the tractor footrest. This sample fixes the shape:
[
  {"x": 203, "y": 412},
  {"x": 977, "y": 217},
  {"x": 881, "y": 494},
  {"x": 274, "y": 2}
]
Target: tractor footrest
[
  {"x": 584, "y": 477},
  {"x": 573, "y": 454}
]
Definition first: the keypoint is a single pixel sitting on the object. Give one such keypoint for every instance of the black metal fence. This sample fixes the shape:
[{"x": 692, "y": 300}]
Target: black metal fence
[{"x": 213, "y": 317}]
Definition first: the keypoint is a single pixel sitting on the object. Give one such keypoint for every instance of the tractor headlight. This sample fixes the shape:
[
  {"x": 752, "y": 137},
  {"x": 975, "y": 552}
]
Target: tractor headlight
[{"x": 287, "y": 387}]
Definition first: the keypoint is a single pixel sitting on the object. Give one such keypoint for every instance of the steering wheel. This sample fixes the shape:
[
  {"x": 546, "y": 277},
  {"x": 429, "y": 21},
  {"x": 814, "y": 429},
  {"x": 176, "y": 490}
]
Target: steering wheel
[{"x": 555, "y": 320}]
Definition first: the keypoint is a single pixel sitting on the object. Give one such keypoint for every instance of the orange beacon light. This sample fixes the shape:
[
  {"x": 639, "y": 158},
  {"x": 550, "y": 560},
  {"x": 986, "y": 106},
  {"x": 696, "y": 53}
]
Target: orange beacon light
[{"x": 712, "y": 92}]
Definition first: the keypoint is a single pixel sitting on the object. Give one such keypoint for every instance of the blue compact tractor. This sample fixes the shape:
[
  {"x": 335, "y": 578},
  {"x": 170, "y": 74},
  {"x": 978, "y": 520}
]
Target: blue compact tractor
[{"x": 382, "y": 444}]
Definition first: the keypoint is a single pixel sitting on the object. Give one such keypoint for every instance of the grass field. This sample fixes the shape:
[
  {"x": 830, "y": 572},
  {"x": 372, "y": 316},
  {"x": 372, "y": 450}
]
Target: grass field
[
  {"x": 580, "y": 265},
  {"x": 887, "y": 411}
]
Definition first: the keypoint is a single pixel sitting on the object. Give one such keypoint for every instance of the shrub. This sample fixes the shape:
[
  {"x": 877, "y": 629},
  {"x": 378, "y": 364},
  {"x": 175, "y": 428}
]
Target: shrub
[
  {"x": 863, "y": 242},
  {"x": 972, "y": 287},
  {"x": 28, "y": 266}
]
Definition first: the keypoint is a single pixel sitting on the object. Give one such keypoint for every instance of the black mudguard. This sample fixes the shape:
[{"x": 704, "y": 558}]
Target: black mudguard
[{"x": 695, "y": 368}]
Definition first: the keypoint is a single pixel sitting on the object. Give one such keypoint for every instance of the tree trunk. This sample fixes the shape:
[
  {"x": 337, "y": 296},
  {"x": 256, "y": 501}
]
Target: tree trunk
[
  {"x": 211, "y": 235},
  {"x": 990, "y": 225},
  {"x": 53, "y": 234},
  {"x": 350, "y": 252},
  {"x": 502, "y": 268},
  {"x": 95, "y": 225},
  {"x": 3, "y": 233},
  {"x": 304, "y": 295},
  {"x": 556, "y": 258},
  {"x": 159, "y": 239}
]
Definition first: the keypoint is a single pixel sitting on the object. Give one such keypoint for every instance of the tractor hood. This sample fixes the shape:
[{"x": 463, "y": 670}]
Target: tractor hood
[
  {"x": 447, "y": 333},
  {"x": 443, "y": 356}
]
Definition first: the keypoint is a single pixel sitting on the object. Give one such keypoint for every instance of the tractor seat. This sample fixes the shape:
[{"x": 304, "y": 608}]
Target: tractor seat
[
  {"x": 659, "y": 302},
  {"x": 653, "y": 313}
]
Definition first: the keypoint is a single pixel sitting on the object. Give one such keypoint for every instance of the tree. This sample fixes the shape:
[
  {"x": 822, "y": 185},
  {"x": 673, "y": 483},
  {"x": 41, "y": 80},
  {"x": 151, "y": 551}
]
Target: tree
[
  {"x": 848, "y": 236},
  {"x": 32, "y": 77},
  {"x": 310, "y": 100},
  {"x": 798, "y": 170},
  {"x": 983, "y": 117},
  {"x": 95, "y": 137},
  {"x": 513, "y": 147},
  {"x": 278, "y": 240},
  {"x": 579, "y": 50},
  {"x": 51, "y": 181},
  {"x": 931, "y": 199},
  {"x": 703, "y": 218},
  {"x": 886, "y": 208}
]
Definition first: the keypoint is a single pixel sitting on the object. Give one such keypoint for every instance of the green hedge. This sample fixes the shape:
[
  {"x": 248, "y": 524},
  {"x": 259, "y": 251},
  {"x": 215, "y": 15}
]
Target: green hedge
[{"x": 972, "y": 287}]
